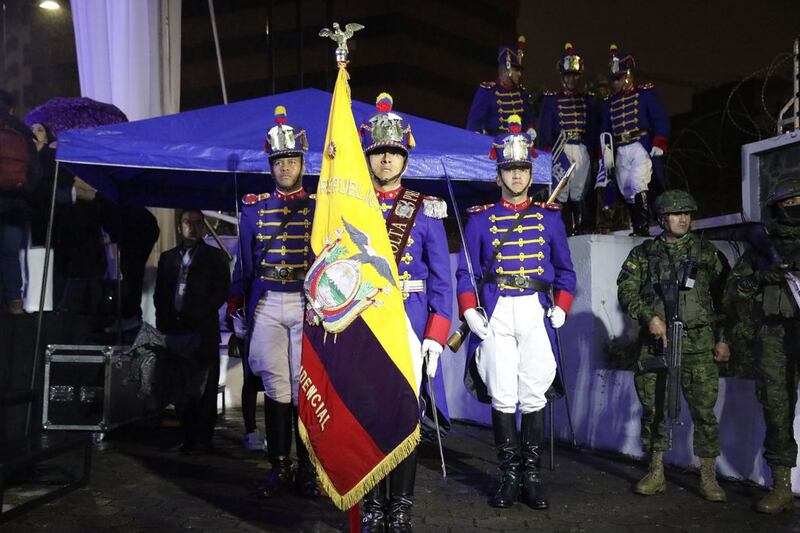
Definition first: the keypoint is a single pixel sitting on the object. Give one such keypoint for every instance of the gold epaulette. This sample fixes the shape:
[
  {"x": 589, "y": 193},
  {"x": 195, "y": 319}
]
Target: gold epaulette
[
  {"x": 434, "y": 207},
  {"x": 250, "y": 199},
  {"x": 647, "y": 86},
  {"x": 552, "y": 206},
  {"x": 488, "y": 84},
  {"x": 479, "y": 208}
]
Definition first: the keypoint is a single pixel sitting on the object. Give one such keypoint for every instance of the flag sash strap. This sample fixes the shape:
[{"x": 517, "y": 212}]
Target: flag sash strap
[{"x": 401, "y": 219}]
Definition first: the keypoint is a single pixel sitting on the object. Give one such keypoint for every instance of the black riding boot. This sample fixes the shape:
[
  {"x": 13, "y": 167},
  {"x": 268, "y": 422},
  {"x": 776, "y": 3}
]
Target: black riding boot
[
  {"x": 305, "y": 479},
  {"x": 640, "y": 215},
  {"x": 532, "y": 490},
  {"x": 279, "y": 444},
  {"x": 373, "y": 509},
  {"x": 401, "y": 494},
  {"x": 506, "y": 442},
  {"x": 578, "y": 211}
]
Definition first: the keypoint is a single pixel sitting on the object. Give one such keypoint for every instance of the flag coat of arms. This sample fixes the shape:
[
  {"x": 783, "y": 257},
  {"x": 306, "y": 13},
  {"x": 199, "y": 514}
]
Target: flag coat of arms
[{"x": 358, "y": 407}]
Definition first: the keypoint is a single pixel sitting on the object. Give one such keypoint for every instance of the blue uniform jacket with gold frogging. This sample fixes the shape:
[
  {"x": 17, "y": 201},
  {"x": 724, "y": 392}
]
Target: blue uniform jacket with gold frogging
[
  {"x": 426, "y": 257},
  {"x": 538, "y": 249},
  {"x": 289, "y": 249}
]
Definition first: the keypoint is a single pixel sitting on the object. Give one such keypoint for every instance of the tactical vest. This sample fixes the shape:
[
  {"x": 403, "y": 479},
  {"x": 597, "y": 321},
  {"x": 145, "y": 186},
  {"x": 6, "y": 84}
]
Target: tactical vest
[
  {"x": 695, "y": 305},
  {"x": 777, "y": 300}
]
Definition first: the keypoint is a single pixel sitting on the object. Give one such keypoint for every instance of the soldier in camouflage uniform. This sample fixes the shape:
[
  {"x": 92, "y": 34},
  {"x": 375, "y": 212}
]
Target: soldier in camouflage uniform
[
  {"x": 764, "y": 287},
  {"x": 667, "y": 257}
]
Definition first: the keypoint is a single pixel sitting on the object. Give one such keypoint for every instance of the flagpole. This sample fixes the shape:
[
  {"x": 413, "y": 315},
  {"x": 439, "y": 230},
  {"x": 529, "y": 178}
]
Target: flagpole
[{"x": 355, "y": 519}]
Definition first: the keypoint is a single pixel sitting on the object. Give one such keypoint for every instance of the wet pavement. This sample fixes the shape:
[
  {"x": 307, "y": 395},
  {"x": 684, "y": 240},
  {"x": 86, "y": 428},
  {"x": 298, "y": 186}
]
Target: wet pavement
[{"x": 137, "y": 486}]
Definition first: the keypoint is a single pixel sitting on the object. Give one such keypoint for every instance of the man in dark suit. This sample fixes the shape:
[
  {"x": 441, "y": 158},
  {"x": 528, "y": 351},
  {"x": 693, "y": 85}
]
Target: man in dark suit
[{"x": 191, "y": 285}]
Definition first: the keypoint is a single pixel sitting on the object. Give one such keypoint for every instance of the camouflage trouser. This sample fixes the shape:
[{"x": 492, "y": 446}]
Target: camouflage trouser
[
  {"x": 700, "y": 384},
  {"x": 776, "y": 371}
]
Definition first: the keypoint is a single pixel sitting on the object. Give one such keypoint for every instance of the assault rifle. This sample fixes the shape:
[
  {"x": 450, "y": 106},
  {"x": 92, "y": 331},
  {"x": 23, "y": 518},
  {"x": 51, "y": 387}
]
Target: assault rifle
[{"x": 670, "y": 361}]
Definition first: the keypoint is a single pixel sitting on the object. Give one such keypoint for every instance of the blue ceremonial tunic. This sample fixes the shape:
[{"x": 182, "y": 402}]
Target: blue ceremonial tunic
[
  {"x": 636, "y": 116},
  {"x": 426, "y": 258},
  {"x": 538, "y": 250},
  {"x": 493, "y": 104},
  {"x": 573, "y": 113},
  {"x": 288, "y": 252}
]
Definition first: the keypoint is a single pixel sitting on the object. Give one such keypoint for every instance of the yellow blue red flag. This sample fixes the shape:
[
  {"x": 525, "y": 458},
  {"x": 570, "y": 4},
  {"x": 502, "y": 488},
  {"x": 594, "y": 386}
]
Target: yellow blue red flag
[{"x": 358, "y": 403}]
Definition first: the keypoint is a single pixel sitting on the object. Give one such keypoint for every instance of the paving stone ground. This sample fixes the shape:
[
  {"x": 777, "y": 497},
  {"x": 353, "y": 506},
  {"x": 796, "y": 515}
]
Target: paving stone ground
[{"x": 137, "y": 487}]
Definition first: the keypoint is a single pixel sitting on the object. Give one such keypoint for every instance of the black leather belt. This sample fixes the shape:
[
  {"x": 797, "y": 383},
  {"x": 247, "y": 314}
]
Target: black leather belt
[
  {"x": 628, "y": 138},
  {"x": 282, "y": 274},
  {"x": 519, "y": 281}
]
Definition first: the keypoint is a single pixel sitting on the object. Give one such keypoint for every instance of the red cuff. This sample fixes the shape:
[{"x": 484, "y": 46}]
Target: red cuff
[
  {"x": 661, "y": 141},
  {"x": 547, "y": 149},
  {"x": 466, "y": 300},
  {"x": 234, "y": 303},
  {"x": 438, "y": 328},
  {"x": 563, "y": 299}
]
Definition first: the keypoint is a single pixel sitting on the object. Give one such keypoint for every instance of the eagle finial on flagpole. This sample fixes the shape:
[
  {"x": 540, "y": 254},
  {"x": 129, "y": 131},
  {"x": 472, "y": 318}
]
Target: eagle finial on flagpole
[{"x": 340, "y": 37}]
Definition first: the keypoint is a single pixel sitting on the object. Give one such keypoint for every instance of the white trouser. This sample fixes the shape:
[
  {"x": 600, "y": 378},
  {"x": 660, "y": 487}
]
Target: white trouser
[
  {"x": 576, "y": 186},
  {"x": 634, "y": 170},
  {"x": 516, "y": 360},
  {"x": 276, "y": 343}
]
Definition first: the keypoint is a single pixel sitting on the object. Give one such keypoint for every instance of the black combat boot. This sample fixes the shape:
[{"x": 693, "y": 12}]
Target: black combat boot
[
  {"x": 401, "y": 494},
  {"x": 640, "y": 215},
  {"x": 578, "y": 211},
  {"x": 506, "y": 440},
  {"x": 373, "y": 509},
  {"x": 279, "y": 443},
  {"x": 305, "y": 479},
  {"x": 532, "y": 490}
]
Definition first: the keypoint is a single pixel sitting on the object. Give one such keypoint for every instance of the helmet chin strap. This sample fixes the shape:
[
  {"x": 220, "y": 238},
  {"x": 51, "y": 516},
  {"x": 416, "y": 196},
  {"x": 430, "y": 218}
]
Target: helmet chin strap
[
  {"x": 524, "y": 189},
  {"x": 387, "y": 181}
]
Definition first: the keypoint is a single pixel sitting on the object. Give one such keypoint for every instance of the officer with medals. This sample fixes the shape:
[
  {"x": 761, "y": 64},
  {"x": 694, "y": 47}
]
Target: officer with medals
[
  {"x": 419, "y": 243},
  {"x": 495, "y": 101},
  {"x": 765, "y": 288},
  {"x": 639, "y": 126},
  {"x": 520, "y": 270},
  {"x": 275, "y": 230},
  {"x": 572, "y": 112},
  {"x": 678, "y": 266}
]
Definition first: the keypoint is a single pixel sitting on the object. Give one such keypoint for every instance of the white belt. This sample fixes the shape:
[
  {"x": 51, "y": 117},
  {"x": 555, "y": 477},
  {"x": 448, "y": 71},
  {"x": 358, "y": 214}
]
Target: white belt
[{"x": 412, "y": 285}]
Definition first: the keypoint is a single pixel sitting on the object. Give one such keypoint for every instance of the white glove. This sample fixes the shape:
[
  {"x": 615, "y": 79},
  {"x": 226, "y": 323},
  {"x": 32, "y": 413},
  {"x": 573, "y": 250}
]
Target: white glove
[
  {"x": 431, "y": 350},
  {"x": 608, "y": 158},
  {"x": 655, "y": 151},
  {"x": 557, "y": 316},
  {"x": 477, "y": 323}
]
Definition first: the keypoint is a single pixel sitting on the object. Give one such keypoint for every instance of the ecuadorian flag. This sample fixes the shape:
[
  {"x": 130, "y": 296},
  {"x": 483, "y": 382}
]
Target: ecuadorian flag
[{"x": 359, "y": 415}]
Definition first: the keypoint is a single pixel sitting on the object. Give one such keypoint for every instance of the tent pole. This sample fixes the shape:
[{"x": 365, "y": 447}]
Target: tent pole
[
  {"x": 42, "y": 294},
  {"x": 219, "y": 54}
]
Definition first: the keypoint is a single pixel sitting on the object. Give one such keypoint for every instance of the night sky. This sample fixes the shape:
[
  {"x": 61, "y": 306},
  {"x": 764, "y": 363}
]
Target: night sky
[{"x": 681, "y": 46}]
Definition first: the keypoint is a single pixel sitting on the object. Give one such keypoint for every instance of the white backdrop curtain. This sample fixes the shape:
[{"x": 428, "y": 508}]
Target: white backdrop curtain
[{"x": 129, "y": 55}]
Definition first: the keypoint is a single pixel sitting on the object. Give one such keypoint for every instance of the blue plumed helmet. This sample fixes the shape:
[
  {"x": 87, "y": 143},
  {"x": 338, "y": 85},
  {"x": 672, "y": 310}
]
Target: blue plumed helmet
[
  {"x": 386, "y": 129},
  {"x": 570, "y": 62},
  {"x": 283, "y": 139},
  {"x": 510, "y": 56},
  {"x": 514, "y": 147},
  {"x": 619, "y": 63}
]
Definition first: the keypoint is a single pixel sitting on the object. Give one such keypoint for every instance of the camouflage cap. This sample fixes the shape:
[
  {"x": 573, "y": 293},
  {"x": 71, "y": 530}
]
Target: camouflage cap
[
  {"x": 785, "y": 188},
  {"x": 675, "y": 201}
]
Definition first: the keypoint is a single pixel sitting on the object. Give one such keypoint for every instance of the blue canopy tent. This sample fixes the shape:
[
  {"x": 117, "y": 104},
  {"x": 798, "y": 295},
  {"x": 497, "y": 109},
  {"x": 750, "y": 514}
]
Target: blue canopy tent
[{"x": 190, "y": 159}]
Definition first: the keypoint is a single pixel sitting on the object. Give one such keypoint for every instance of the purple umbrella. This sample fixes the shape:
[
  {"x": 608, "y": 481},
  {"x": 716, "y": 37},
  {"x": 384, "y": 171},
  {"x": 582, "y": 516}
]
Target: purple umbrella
[{"x": 66, "y": 113}]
